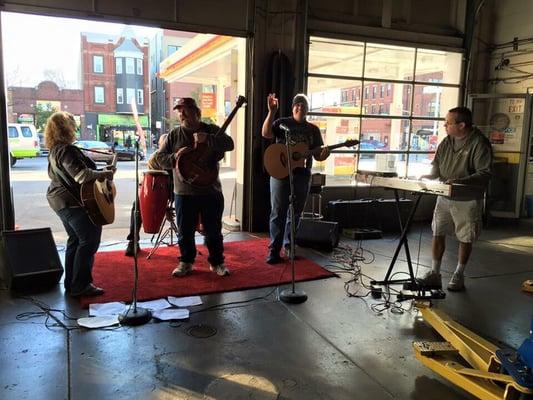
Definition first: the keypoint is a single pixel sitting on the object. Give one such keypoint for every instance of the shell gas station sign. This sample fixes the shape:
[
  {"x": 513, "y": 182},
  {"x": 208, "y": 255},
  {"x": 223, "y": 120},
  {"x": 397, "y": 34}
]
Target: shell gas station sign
[{"x": 208, "y": 105}]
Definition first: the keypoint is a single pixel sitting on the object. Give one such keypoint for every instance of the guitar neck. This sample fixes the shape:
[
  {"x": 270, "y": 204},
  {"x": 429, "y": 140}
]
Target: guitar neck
[
  {"x": 240, "y": 101},
  {"x": 335, "y": 146},
  {"x": 332, "y": 147}
]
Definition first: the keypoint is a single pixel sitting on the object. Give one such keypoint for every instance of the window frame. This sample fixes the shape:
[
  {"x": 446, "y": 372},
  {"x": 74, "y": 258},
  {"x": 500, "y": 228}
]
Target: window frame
[
  {"x": 120, "y": 95},
  {"x": 118, "y": 65},
  {"x": 130, "y": 64},
  {"x": 128, "y": 96},
  {"x": 96, "y": 95},
  {"x": 369, "y": 95},
  {"x": 98, "y": 57}
]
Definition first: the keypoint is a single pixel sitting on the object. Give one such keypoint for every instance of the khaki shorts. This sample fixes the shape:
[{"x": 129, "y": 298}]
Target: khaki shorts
[{"x": 460, "y": 217}]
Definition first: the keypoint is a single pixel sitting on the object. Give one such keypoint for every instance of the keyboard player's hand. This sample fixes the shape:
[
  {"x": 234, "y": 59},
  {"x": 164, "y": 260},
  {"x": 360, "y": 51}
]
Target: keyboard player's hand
[{"x": 427, "y": 177}]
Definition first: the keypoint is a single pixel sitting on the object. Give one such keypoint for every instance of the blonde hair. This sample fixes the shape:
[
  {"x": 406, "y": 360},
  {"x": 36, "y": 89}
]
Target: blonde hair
[{"x": 60, "y": 129}]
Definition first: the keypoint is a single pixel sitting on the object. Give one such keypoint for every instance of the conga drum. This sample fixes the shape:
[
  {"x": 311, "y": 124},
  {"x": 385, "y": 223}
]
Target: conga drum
[{"x": 154, "y": 195}]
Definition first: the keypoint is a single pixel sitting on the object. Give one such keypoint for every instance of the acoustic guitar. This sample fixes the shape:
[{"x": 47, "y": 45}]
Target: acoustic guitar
[
  {"x": 98, "y": 198},
  {"x": 198, "y": 165},
  {"x": 276, "y": 162}
]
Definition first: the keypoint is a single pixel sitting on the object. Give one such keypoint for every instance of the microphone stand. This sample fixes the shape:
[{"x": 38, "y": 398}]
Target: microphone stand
[
  {"x": 291, "y": 295},
  {"x": 135, "y": 315}
]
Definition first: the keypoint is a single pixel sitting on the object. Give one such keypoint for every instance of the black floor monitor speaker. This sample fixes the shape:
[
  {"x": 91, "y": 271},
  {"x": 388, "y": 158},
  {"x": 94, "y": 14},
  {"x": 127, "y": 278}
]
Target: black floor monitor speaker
[
  {"x": 29, "y": 260},
  {"x": 318, "y": 234}
]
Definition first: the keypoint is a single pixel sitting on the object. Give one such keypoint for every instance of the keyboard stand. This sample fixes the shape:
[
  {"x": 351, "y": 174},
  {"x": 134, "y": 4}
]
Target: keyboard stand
[{"x": 411, "y": 282}]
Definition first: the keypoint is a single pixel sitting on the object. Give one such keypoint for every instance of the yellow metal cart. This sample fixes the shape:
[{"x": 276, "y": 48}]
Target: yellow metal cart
[{"x": 473, "y": 363}]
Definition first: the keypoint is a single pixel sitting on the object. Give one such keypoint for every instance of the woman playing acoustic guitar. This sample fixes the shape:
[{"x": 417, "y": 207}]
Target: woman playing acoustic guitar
[{"x": 69, "y": 168}]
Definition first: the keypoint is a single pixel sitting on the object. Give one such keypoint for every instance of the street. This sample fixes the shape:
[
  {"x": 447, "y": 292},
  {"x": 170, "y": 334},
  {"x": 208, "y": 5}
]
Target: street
[{"x": 29, "y": 181}]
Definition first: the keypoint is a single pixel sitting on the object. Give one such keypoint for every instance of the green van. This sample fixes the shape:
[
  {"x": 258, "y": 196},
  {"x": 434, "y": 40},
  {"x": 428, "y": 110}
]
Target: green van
[{"x": 23, "y": 142}]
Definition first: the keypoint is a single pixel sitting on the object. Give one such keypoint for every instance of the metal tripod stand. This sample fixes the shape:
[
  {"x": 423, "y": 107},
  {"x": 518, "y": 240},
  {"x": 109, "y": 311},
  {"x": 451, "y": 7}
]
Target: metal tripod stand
[{"x": 171, "y": 231}]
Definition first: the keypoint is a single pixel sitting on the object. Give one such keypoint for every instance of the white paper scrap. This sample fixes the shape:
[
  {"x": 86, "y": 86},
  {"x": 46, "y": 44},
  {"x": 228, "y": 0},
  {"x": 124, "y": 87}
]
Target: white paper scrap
[
  {"x": 185, "y": 301},
  {"x": 98, "y": 322},
  {"x": 159, "y": 304},
  {"x": 171, "y": 313},
  {"x": 102, "y": 309}
]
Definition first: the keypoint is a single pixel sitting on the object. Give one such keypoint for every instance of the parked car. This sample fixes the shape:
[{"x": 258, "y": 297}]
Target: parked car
[
  {"x": 105, "y": 152},
  {"x": 23, "y": 142},
  {"x": 43, "y": 150},
  {"x": 370, "y": 145},
  {"x": 127, "y": 154}
]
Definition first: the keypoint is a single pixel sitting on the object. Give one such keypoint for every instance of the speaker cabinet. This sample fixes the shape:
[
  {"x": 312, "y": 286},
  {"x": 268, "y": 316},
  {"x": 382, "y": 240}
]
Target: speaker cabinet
[
  {"x": 318, "y": 234},
  {"x": 29, "y": 260}
]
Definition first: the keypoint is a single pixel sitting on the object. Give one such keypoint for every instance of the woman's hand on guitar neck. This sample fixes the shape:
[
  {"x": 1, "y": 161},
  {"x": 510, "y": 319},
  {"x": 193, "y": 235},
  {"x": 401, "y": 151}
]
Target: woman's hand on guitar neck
[{"x": 103, "y": 175}]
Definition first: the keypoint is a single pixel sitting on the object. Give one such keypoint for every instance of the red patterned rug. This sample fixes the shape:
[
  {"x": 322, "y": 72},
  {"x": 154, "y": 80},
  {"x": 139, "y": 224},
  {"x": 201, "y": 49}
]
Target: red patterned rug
[{"x": 245, "y": 259}]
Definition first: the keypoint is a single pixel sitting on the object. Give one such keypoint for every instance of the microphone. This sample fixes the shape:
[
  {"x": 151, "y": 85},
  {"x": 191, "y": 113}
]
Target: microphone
[{"x": 284, "y": 127}]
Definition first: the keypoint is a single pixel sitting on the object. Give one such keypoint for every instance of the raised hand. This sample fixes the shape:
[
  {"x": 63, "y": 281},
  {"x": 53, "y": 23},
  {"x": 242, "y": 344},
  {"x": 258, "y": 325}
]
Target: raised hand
[{"x": 273, "y": 103}]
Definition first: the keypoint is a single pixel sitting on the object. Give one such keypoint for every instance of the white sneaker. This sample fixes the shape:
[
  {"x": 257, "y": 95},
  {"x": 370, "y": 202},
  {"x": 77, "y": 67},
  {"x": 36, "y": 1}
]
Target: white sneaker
[
  {"x": 182, "y": 269},
  {"x": 431, "y": 280},
  {"x": 457, "y": 282},
  {"x": 220, "y": 269}
]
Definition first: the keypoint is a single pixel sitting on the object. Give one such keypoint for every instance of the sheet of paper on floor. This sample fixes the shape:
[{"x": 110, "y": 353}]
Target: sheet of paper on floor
[
  {"x": 171, "y": 313},
  {"x": 98, "y": 322},
  {"x": 159, "y": 304},
  {"x": 113, "y": 308},
  {"x": 188, "y": 301}
]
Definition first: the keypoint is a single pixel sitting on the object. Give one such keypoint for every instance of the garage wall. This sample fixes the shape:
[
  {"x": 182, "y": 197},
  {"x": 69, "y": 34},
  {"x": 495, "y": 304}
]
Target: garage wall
[
  {"x": 438, "y": 23},
  {"x": 511, "y": 56}
]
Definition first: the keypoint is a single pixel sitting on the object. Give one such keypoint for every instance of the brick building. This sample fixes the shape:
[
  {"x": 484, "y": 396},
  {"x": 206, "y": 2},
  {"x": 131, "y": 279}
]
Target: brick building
[
  {"x": 115, "y": 71},
  {"x": 23, "y": 100}
]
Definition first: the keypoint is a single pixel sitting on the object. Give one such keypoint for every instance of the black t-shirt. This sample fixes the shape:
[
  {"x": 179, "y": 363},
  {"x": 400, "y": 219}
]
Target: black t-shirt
[{"x": 303, "y": 132}]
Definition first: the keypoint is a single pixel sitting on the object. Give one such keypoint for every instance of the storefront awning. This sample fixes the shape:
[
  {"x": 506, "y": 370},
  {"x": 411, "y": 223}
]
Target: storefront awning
[
  {"x": 196, "y": 54},
  {"x": 119, "y": 121}
]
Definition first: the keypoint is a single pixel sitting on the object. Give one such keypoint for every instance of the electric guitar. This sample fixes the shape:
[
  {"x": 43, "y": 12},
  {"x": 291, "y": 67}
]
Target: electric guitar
[
  {"x": 98, "y": 198},
  {"x": 275, "y": 158}
]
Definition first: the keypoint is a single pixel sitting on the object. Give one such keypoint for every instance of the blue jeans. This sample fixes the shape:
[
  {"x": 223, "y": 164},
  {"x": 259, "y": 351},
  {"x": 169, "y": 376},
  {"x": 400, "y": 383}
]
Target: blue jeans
[
  {"x": 280, "y": 223},
  {"x": 209, "y": 208},
  {"x": 82, "y": 245}
]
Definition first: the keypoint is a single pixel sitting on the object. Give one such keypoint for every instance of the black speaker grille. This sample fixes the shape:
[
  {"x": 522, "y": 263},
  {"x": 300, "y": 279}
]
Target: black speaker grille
[{"x": 29, "y": 258}]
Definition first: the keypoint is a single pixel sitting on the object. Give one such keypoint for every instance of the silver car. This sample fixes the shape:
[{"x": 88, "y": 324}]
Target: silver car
[{"x": 105, "y": 153}]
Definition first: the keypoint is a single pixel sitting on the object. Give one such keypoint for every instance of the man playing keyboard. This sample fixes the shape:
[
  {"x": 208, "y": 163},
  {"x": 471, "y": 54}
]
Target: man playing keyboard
[{"x": 465, "y": 157}]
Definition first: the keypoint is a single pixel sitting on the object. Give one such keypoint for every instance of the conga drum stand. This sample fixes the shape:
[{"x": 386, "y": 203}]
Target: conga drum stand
[{"x": 171, "y": 230}]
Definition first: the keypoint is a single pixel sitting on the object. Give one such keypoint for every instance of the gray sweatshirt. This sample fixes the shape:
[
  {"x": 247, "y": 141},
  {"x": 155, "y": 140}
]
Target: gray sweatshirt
[{"x": 470, "y": 164}]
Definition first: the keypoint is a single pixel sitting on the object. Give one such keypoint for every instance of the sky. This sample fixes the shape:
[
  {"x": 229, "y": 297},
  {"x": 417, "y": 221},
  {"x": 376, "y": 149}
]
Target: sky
[{"x": 33, "y": 44}]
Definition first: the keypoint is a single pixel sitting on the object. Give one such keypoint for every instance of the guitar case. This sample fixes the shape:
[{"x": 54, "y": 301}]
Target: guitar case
[{"x": 279, "y": 79}]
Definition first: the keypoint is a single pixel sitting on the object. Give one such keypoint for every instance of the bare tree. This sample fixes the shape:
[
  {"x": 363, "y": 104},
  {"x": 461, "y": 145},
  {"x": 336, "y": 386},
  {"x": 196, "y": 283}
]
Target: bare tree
[
  {"x": 13, "y": 77},
  {"x": 55, "y": 75}
]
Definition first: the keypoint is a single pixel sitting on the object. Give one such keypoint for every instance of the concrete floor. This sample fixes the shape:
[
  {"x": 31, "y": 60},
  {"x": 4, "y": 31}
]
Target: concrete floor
[{"x": 331, "y": 347}]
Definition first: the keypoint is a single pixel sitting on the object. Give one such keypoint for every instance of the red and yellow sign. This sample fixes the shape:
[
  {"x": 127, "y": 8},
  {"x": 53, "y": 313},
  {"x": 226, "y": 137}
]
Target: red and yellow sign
[{"x": 208, "y": 105}]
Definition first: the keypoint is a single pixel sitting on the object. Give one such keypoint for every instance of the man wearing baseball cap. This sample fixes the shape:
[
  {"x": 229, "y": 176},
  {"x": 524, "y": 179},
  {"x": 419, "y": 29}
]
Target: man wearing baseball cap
[
  {"x": 193, "y": 202},
  {"x": 300, "y": 131}
]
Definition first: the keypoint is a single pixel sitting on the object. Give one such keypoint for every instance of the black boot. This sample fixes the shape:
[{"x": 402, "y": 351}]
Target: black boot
[
  {"x": 273, "y": 257},
  {"x": 130, "y": 250}
]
